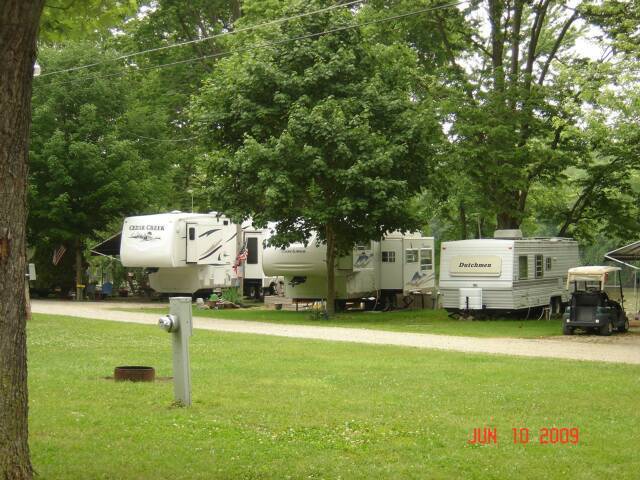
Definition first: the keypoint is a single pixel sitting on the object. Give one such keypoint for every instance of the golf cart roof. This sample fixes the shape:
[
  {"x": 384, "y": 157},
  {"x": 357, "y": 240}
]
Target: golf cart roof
[{"x": 594, "y": 273}]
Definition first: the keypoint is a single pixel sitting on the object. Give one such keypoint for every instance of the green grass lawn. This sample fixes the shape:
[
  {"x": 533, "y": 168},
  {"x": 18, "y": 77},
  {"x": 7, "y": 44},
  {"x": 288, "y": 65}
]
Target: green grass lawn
[
  {"x": 420, "y": 321},
  {"x": 268, "y": 407}
]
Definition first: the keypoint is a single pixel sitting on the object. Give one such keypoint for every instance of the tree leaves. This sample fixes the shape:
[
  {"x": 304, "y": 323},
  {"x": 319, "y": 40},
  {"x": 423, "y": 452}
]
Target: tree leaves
[{"x": 328, "y": 130}]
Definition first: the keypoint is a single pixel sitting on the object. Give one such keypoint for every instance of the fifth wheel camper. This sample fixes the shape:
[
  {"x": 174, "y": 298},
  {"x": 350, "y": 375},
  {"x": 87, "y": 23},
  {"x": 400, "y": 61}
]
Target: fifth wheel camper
[
  {"x": 194, "y": 253},
  {"x": 507, "y": 272},
  {"x": 398, "y": 264}
]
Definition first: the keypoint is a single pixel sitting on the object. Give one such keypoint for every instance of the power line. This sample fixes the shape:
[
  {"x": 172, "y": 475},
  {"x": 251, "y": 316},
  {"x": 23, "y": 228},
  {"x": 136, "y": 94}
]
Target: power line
[
  {"x": 169, "y": 140},
  {"x": 268, "y": 44},
  {"x": 203, "y": 39}
]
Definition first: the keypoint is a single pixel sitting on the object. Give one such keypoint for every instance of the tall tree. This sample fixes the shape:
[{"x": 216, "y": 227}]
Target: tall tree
[
  {"x": 86, "y": 164},
  {"x": 331, "y": 134},
  {"x": 19, "y": 20},
  {"x": 512, "y": 103},
  {"x": 165, "y": 92}
]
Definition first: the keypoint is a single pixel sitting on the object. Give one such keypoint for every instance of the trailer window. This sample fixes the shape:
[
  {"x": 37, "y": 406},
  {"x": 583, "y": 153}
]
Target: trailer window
[
  {"x": 426, "y": 262},
  {"x": 252, "y": 250},
  {"x": 361, "y": 248},
  {"x": 539, "y": 266},
  {"x": 549, "y": 263},
  {"x": 192, "y": 233},
  {"x": 411, "y": 256},
  {"x": 389, "y": 257},
  {"x": 523, "y": 267}
]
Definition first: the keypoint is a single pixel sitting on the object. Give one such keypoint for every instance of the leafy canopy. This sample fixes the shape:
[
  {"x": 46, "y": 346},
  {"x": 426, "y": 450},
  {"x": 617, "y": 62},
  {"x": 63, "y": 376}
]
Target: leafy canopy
[
  {"x": 330, "y": 131},
  {"x": 85, "y": 171}
]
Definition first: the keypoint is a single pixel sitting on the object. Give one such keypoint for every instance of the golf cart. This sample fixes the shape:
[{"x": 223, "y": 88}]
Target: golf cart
[{"x": 591, "y": 308}]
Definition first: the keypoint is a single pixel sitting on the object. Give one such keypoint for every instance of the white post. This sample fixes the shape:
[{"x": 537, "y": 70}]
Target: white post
[{"x": 179, "y": 324}]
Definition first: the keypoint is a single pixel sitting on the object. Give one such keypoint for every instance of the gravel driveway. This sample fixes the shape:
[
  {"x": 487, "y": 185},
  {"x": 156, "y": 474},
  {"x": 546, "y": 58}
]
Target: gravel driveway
[{"x": 615, "y": 349}]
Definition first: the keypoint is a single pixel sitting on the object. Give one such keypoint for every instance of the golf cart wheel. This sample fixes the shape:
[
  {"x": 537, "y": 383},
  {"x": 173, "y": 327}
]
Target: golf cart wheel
[
  {"x": 567, "y": 330},
  {"x": 606, "y": 329},
  {"x": 624, "y": 327}
]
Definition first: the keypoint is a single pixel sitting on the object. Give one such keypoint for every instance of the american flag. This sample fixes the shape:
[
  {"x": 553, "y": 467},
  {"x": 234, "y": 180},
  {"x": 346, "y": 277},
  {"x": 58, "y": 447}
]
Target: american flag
[
  {"x": 58, "y": 254},
  {"x": 242, "y": 256}
]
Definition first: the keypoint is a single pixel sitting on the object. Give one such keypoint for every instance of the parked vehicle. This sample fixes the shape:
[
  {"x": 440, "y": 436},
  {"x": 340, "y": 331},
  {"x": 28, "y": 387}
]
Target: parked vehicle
[
  {"x": 193, "y": 253},
  {"x": 506, "y": 273},
  {"x": 592, "y": 308},
  {"x": 398, "y": 264}
]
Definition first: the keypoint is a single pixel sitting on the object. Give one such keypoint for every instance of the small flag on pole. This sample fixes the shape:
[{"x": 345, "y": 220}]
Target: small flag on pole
[
  {"x": 242, "y": 256},
  {"x": 58, "y": 254}
]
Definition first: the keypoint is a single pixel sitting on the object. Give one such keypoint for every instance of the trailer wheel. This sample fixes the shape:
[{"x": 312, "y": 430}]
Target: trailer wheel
[
  {"x": 555, "y": 305},
  {"x": 254, "y": 292},
  {"x": 341, "y": 306},
  {"x": 567, "y": 330}
]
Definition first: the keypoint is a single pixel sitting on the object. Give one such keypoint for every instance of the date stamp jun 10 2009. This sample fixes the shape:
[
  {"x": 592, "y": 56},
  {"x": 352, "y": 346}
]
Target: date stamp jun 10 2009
[{"x": 524, "y": 436}]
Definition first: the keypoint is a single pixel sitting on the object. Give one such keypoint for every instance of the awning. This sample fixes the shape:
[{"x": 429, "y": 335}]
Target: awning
[
  {"x": 623, "y": 255},
  {"x": 108, "y": 248}
]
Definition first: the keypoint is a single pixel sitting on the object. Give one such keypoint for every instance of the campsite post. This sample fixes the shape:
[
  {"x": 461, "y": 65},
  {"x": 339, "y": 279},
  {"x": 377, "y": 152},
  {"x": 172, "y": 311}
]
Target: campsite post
[{"x": 178, "y": 323}]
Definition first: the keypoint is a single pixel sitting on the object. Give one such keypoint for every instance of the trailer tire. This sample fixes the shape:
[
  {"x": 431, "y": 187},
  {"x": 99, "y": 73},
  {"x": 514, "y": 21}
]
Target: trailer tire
[
  {"x": 567, "y": 330},
  {"x": 555, "y": 305},
  {"x": 340, "y": 306}
]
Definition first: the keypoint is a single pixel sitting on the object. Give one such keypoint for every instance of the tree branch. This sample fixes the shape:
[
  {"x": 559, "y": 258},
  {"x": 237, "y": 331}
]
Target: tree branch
[
  {"x": 556, "y": 47},
  {"x": 515, "y": 46},
  {"x": 497, "y": 43},
  {"x": 533, "y": 42}
]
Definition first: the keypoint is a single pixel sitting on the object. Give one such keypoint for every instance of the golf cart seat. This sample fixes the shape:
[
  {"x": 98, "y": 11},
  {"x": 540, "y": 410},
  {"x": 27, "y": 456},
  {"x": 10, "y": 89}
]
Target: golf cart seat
[{"x": 584, "y": 305}]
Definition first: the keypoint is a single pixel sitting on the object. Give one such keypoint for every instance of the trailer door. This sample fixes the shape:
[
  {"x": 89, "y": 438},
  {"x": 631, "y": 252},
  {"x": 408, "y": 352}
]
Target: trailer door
[
  {"x": 418, "y": 264},
  {"x": 253, "y": 263},
  {"x": 192, "y": 243},
  {"x": 391, "y": 264}
]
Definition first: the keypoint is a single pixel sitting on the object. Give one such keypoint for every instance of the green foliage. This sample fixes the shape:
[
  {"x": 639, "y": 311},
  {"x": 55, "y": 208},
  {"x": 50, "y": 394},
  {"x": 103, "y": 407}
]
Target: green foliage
[
  {"x": 165, "y": 92},
  {"x": 520, "y": 124},
  {"x": 340, "y": 129},
  {"x": 85, "y": 172},
  {"x": 620, "y": 20},
  {"x": 323, "y": 131},
  {"x": 64, "y": 20},
  {"x": 231, "y": 295}
]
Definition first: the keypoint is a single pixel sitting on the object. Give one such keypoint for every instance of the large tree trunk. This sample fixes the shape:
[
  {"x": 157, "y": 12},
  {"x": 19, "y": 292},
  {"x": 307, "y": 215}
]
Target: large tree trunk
[
  {"x": 331, "y": 270},
  {"x": 19, "y": 21},
  {"x": 462, "y": 220},
  {"x": 507, "y": 221}
]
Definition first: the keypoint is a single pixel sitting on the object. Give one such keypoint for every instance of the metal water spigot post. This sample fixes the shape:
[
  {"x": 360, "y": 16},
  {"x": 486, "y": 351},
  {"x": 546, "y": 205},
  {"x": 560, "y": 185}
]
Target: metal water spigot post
[{"x": 179, "y": 324}]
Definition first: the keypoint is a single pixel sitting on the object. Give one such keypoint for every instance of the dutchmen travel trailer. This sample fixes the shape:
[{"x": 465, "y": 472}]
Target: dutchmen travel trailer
[
  {"x": 507, "y": 272},
  {"x": 191, "y": 252},
  {"x": 397, "y": 264}
]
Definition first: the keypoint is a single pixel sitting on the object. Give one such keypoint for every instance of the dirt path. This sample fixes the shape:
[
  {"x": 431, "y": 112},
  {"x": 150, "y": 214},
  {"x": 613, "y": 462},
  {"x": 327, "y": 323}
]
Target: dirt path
[{"x": 615, "y": 349}]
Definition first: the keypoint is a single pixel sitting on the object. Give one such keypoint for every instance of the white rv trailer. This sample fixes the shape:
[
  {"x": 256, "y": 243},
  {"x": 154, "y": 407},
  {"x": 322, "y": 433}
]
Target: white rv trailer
[
  {"x": 397, "y": 264},
  {"x": 193, "y": 252},
  {"x": 507, "y": 272}
]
